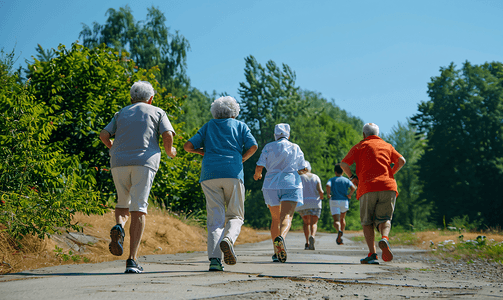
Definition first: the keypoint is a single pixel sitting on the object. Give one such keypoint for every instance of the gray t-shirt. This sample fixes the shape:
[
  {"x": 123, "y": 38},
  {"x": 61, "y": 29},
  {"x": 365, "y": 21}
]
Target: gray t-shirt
[{"x": 137, "y": 128}]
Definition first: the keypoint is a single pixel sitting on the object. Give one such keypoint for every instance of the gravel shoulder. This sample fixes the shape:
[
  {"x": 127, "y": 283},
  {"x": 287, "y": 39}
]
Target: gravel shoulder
[{"x": 329, "y": 272}]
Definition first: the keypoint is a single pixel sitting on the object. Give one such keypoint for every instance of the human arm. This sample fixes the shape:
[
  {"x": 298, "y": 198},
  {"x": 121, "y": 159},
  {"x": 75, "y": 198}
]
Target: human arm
[
  {"x": 347, "y": 170},
  {"x": 352, "y": 191},
  {"x": 167, "y": 142},
  {"x": 249, "y": 152},
  {"x": 320, "y": 190},
  {"x": 399, "y": 165},
  {"x": 328, "y": 191},
  {"x": 258, "y": 172},
  {"x": 105, "y": 138},
  {"x": 189, "y": 147}
]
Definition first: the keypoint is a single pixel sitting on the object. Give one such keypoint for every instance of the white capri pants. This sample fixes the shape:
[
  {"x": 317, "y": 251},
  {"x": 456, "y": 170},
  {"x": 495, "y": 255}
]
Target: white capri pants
[
  {"x": 221, "y": 193},
  {"x": 133, "y": 184}
]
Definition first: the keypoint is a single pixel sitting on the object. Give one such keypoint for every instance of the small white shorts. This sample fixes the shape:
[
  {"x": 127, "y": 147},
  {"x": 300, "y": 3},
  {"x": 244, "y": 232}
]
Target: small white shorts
[
  {"x": 274, "y": 197},
  {"x": 133, "y": 184},
  {"x": 339, "y": 206}
]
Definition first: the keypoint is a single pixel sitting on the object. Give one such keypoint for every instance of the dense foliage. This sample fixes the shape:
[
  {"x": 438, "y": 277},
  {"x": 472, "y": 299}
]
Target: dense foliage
[{"x": 462, "y": 166}]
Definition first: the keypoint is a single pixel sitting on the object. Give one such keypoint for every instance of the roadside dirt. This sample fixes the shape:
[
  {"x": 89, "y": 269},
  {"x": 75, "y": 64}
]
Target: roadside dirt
[{"x": 164, "y": 234}]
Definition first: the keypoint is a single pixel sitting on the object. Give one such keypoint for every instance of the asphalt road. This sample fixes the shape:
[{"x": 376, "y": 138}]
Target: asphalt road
[{"x": 328, "y": 272}]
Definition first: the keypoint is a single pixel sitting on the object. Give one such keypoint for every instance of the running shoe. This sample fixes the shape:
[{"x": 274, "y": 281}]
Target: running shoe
[
  {"x": 117, "y": 236},
  {"x": 228, "y": 251},
  {"x": 275, "y": 258},
  {"x": 387, "y": 255},
  {"x": 371, "y": 259},
  {"x": 306, "y": 246},
  {"x": 216, "y": 264},
  {"x": 311, "y": 243},
  {"x": 280, "y": 248},
  {"x": 133, "y": 267},
  {"x": 339, "y": 238}
]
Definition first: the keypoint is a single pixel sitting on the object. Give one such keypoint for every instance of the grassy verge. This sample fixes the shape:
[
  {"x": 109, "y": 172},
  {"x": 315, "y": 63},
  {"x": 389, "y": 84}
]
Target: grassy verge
[{"x": 467, "y": 247}]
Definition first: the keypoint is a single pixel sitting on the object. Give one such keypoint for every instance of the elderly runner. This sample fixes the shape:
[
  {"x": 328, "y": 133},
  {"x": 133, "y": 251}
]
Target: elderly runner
[{"x": 282, "y": 186}]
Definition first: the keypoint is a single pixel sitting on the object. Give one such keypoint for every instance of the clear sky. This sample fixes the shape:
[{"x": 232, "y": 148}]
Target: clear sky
[{"x": 374, "y": 58}]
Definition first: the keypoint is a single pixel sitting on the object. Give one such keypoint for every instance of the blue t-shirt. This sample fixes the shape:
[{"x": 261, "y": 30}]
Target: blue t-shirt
[
  {"x": 223, "y": 142},
  {"x": 339, "y": 187}
]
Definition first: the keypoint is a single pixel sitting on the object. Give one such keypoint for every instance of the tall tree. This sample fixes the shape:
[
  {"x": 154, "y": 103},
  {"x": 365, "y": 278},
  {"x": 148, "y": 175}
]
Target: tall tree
[
  {"x": 411, "y": 210},
  {"x": 462, "y": 166},
  {"x": 149, "y": 43}
]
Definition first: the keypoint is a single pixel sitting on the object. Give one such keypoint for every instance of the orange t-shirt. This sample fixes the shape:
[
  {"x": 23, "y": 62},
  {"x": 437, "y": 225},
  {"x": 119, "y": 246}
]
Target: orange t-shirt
[{"x": 373, "y": 158}]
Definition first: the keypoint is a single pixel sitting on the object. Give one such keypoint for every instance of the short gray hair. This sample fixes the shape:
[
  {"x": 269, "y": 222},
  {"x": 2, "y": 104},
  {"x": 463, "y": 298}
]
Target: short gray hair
[
  {"x": 225, "y": 107},
  {"x": 141, "y": 91},
  {"x": 370, "y": 129}
]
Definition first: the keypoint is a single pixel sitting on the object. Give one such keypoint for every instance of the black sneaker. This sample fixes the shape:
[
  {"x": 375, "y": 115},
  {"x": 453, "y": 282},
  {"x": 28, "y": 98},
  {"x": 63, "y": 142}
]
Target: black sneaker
[
  {"x": 371, "y": 260},
  {"x": 228, "y": 251},
  {"x": 216, "y": 264},
  {"x": 133, "y": 267},
  {"x": 117, "y": 236},
  {"x": 275, "y": 258},
  {"x": 311, "y": 243},
  {"x": 339, "y": 238},
  {"x": 280, "y": 248},
  {"x": 306, "y": 246}
]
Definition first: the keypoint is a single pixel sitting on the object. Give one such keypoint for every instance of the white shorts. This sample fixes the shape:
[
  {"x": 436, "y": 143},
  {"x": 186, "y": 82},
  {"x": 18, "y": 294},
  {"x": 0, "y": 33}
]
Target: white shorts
[
  {"x": 133, "y": 184},
  {"x": 338, "y": 207}
]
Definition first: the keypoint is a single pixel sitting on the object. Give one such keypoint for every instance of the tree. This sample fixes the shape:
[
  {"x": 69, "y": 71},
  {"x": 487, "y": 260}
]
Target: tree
[
  {"x": 411, "y": 211},
  {"x": 196, "y": 109},
  {"x": 41, "y": 187},
  {"x": 270, "y": 96},
  {"x": 149, "y": 43},
  {"x": 462, "y": 166}
]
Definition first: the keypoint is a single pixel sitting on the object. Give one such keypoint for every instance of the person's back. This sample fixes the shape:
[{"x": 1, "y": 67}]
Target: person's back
[
  {"x": 310, "y": 191},
  {"x": 223, "y": 141},
  {"x": 373, "y": 158},
  {"x": 137, "y": 128},
  {"x": 339, "y": 186}
]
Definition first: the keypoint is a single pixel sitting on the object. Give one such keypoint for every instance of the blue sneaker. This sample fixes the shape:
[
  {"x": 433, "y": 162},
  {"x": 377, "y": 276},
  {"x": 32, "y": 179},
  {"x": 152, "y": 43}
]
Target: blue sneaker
[{"x": 117, "y": 236}]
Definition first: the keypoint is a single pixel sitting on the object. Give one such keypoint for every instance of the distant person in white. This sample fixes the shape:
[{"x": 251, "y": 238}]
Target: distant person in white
[
  {"x": 134, "y": 158},
  {"x": 282, "y": 186},
  {"x": 310, "y": 211}
]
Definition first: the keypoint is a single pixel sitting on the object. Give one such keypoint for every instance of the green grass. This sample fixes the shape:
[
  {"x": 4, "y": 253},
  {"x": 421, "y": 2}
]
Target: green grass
[{"x": 467, "y": 251}]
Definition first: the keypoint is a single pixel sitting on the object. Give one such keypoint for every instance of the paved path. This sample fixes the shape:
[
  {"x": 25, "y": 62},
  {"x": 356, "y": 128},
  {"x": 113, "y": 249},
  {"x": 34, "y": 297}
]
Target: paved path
[{"x": 186, "y": 276}]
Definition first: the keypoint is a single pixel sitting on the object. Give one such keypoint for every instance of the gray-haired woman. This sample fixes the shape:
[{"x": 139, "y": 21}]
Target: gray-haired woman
[{"x": 222, "y": 142}]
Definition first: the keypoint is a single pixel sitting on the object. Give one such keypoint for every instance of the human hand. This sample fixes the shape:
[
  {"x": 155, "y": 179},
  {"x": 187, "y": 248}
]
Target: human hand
[
  {"x": 257, "y": 176},
  {"x": 173, "y": 152}
]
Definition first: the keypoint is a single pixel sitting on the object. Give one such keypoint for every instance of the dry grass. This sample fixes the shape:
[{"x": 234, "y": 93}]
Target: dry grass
[{"x": 164, "y": 234}]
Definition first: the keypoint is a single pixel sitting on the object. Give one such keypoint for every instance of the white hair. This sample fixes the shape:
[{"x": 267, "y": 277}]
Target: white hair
[
  {"x": 141, "y": 91},
  {"x": 224, "y": 108},
  {"x": 370, "y": 129}
]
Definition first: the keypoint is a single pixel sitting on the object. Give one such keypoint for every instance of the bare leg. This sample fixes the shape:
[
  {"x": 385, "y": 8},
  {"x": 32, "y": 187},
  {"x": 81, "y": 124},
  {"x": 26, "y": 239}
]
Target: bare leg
[
  {"x": 306, "y": 226},
  {"x": 286, "y": 215},
  {"x": 136, "y": 231},
  {"x": 385, "y": 228},
  {"x": 314, "y": 225},
  {"x": 337, "y": 222},
  {"x": 368, "y": 232},
  {"x": 121, "y": 216},
  {"x": 275, "y": 221},
  {"x": 343, "y": 221}
]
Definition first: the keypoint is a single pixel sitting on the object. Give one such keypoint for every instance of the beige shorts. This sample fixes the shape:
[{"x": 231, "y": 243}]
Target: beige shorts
[
  {"x": 377, "y": 207},
  {"x": 133, "y": 184}
]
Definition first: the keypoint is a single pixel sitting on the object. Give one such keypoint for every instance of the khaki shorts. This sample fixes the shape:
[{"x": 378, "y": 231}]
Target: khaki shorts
[
  {"x": 377, "y": 207},
  {"x": 133, "y": 184}
]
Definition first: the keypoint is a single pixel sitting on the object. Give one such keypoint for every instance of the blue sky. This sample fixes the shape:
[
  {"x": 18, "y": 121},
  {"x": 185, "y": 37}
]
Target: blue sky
[{"x": 374, "y": 58}]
